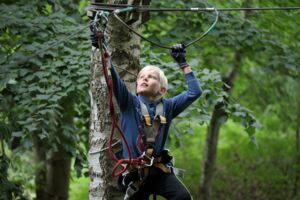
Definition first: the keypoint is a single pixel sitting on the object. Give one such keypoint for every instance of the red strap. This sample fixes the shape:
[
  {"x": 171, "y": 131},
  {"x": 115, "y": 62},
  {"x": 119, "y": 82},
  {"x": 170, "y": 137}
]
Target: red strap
[
  {"x": 125, "y": 163},
  {"x": 115, "y": 125}
]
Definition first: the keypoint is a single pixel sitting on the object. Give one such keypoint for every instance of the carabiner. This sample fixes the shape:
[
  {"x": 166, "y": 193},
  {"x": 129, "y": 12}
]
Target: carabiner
[{"x": 144, "y": 155}]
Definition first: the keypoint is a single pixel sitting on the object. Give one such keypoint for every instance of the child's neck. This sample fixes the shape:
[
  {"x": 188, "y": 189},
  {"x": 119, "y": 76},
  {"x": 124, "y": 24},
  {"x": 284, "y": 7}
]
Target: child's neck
[{"x": 151, "y": 98}]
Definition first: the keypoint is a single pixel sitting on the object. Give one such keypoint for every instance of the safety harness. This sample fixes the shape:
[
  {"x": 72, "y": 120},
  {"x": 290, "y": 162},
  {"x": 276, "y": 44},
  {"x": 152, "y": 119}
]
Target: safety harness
[{"x": 150, "y": 129}]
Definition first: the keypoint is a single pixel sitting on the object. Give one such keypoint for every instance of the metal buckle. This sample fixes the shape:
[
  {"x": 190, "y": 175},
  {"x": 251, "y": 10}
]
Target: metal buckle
[
  {"x": 151, "y": 159},
  {"x": 100, "y": 20},
  {"x": 130, "y": 191}
]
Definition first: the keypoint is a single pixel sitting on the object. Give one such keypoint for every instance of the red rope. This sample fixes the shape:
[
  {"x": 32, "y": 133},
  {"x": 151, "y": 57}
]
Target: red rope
[{"x": 124, "y": 163}]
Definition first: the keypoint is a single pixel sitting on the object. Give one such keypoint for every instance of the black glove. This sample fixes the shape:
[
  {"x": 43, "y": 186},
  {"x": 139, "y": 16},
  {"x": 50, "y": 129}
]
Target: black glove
[
  {"x": 94, "y": 39},
  {"x": 178, "y": 53},
  {"x": 94, "y": 36}
]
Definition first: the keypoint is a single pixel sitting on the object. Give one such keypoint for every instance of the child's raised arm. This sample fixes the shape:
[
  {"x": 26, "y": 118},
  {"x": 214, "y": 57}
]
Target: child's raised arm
[
  {"x": 183, "y": 100},
  {"x": 120, "y": 90}
]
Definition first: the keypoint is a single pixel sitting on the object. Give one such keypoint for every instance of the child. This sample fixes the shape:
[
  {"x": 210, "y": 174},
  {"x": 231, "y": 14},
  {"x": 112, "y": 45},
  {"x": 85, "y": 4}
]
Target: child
[{"x": 145, "y": 121}]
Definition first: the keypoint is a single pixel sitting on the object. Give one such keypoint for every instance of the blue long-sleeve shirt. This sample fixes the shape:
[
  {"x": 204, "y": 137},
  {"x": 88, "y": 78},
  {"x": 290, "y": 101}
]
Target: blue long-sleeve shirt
[{"x": 131, "y": 112}]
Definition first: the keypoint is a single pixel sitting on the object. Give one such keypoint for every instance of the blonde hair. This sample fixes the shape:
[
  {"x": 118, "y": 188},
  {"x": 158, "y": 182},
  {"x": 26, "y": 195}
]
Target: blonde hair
[{"x": 162, "y": 77}]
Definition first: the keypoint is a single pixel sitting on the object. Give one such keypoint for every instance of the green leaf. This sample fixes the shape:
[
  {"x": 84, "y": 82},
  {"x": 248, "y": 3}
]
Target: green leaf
[
  {"x": 42, "y": 97},
  {"x": 17, "y": 133},
  {"x": 4, "y": 131}
]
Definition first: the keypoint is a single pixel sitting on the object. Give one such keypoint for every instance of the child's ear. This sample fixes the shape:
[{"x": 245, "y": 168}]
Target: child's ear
[{"x": 163, "y": 90}]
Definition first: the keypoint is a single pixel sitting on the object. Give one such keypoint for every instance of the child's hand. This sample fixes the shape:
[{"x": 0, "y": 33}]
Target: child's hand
[
  {"x": 178, "y": 53},
  {"x": 94, "y": 39}
]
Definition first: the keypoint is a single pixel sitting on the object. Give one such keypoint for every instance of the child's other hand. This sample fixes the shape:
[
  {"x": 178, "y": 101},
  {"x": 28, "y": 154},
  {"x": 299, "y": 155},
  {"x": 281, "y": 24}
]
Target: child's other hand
[{"x": 178, "y": 53}]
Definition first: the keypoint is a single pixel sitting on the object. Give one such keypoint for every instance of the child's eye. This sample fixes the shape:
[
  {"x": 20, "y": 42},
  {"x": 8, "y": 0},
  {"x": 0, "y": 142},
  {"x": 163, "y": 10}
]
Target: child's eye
[{"x": 154, "y": 77}]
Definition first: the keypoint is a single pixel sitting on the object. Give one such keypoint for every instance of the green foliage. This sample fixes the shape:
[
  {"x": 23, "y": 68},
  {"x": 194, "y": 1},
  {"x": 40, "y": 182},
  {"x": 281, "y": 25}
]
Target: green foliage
[
  {"x": 41, "y": 86},
  {"x": 47, "y": 96},
  {"x": 251, "y": 173},
  {"x": 8, "y": 189},
  {"x": 174, "y": 28},
  {"x": 79, "y": 188}
]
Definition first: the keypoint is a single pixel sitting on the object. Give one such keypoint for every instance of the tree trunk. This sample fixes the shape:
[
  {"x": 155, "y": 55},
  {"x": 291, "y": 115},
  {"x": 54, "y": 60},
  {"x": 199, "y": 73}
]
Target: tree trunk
[
  {"x": 40, "y": 172},
  {"x": 218, "y": 118},
  {"x": 53, "y": 167},
  {"x": 210, "y": 152},
  {"x": 58, "y": 175},
  {"x": 125, "y": 50}
]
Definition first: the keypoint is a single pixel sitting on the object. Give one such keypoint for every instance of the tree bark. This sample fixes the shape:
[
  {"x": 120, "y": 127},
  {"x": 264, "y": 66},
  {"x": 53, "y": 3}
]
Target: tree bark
[
  {"x": 125, "y": 50},
  {"x": 58, "y": 175},
  {"x": 40, "y": 172},
  {"x": 53, "y": 167}
]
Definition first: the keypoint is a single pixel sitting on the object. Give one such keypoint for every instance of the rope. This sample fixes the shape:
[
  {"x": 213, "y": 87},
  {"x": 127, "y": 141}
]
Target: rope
[
  {"x": 164, "y": 46},
  {"x": 115, "y": 125},
  {"x": 208, "y": 30},
  {"x": 104, "y": 149},
  {"x": 124, "y": 164}
]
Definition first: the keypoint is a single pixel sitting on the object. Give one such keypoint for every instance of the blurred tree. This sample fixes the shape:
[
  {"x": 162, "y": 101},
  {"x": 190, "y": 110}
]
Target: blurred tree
[{"x": 40, "y": 98}]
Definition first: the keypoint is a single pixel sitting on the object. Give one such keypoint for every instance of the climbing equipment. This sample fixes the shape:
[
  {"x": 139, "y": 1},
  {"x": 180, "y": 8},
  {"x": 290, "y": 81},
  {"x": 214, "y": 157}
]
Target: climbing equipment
[
  {"x": 145, "y": 8},
  {"x": 99, "y": 28},
  {"x": 115, "y": 10},
  {"x": 151, "y": 127},
  {"x": 149, "y": 130},
  {"x": 111, "y": 7}
]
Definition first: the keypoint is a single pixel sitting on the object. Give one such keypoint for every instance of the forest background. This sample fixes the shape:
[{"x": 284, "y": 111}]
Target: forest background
[{"x": 45, "y": 108}]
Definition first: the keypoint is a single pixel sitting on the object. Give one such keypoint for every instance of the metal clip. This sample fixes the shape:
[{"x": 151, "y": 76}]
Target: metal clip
[
  {"x": 100, "y": 20},
  {"x": 144, "y": 155}
]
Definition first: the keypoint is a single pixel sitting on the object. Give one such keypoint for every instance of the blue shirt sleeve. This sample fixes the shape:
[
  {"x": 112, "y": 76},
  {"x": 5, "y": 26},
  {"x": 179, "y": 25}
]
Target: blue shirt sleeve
[
  {"x": 184, "y": 99},
  {"x": 121, "y": 92}
]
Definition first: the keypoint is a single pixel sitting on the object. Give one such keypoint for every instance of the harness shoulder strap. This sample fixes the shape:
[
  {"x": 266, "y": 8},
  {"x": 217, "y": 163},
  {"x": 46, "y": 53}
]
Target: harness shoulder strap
[
  {"x": 145, "y": 114},
  {"x": 159, "y": 114},
  {"x": 151, "y": 126}
]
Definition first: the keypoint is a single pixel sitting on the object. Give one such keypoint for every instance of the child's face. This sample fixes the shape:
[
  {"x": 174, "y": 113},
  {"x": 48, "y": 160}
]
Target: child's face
[{"x": 148, "y": 85}]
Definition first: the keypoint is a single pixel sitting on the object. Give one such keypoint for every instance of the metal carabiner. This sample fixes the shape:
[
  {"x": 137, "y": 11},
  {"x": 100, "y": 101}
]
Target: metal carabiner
[
  {"x": 101, "y": 19},
  {"x": 144, "y": 155}
]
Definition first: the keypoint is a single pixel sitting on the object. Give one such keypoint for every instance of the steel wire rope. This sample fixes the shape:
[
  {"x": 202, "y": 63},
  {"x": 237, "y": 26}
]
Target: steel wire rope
[
  {"x": 61, "y": 41},
  {"x": 137, "y": 8},
  {"x": 115, "y": 13}
]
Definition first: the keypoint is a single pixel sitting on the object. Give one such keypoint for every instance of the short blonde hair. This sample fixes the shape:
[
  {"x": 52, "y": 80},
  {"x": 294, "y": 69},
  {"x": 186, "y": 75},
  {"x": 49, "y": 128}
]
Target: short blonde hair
[{"x": 162, "y": 77}]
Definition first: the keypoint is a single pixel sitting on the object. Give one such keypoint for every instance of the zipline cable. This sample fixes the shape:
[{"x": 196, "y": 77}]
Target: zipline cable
[
  {"x": 112, "y": 7},
  {"x": 136, "y": 8},
  {"x": 117, "y": 11}
]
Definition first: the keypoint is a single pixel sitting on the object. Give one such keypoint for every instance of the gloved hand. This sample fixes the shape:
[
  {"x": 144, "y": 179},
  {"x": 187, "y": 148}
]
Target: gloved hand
[
  {"x": 178, "y": 53},
  {"x": 94, "y": 39}
]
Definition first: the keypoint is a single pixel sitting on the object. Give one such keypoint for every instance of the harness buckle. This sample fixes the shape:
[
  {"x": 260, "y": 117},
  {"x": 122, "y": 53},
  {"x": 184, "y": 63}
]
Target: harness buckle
[
  {"x": 162, "y": 119},
  {"x": 150, "y": 159},
  {"x": 147, "y": 120},
  {"x": 130, "y": 191}
]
